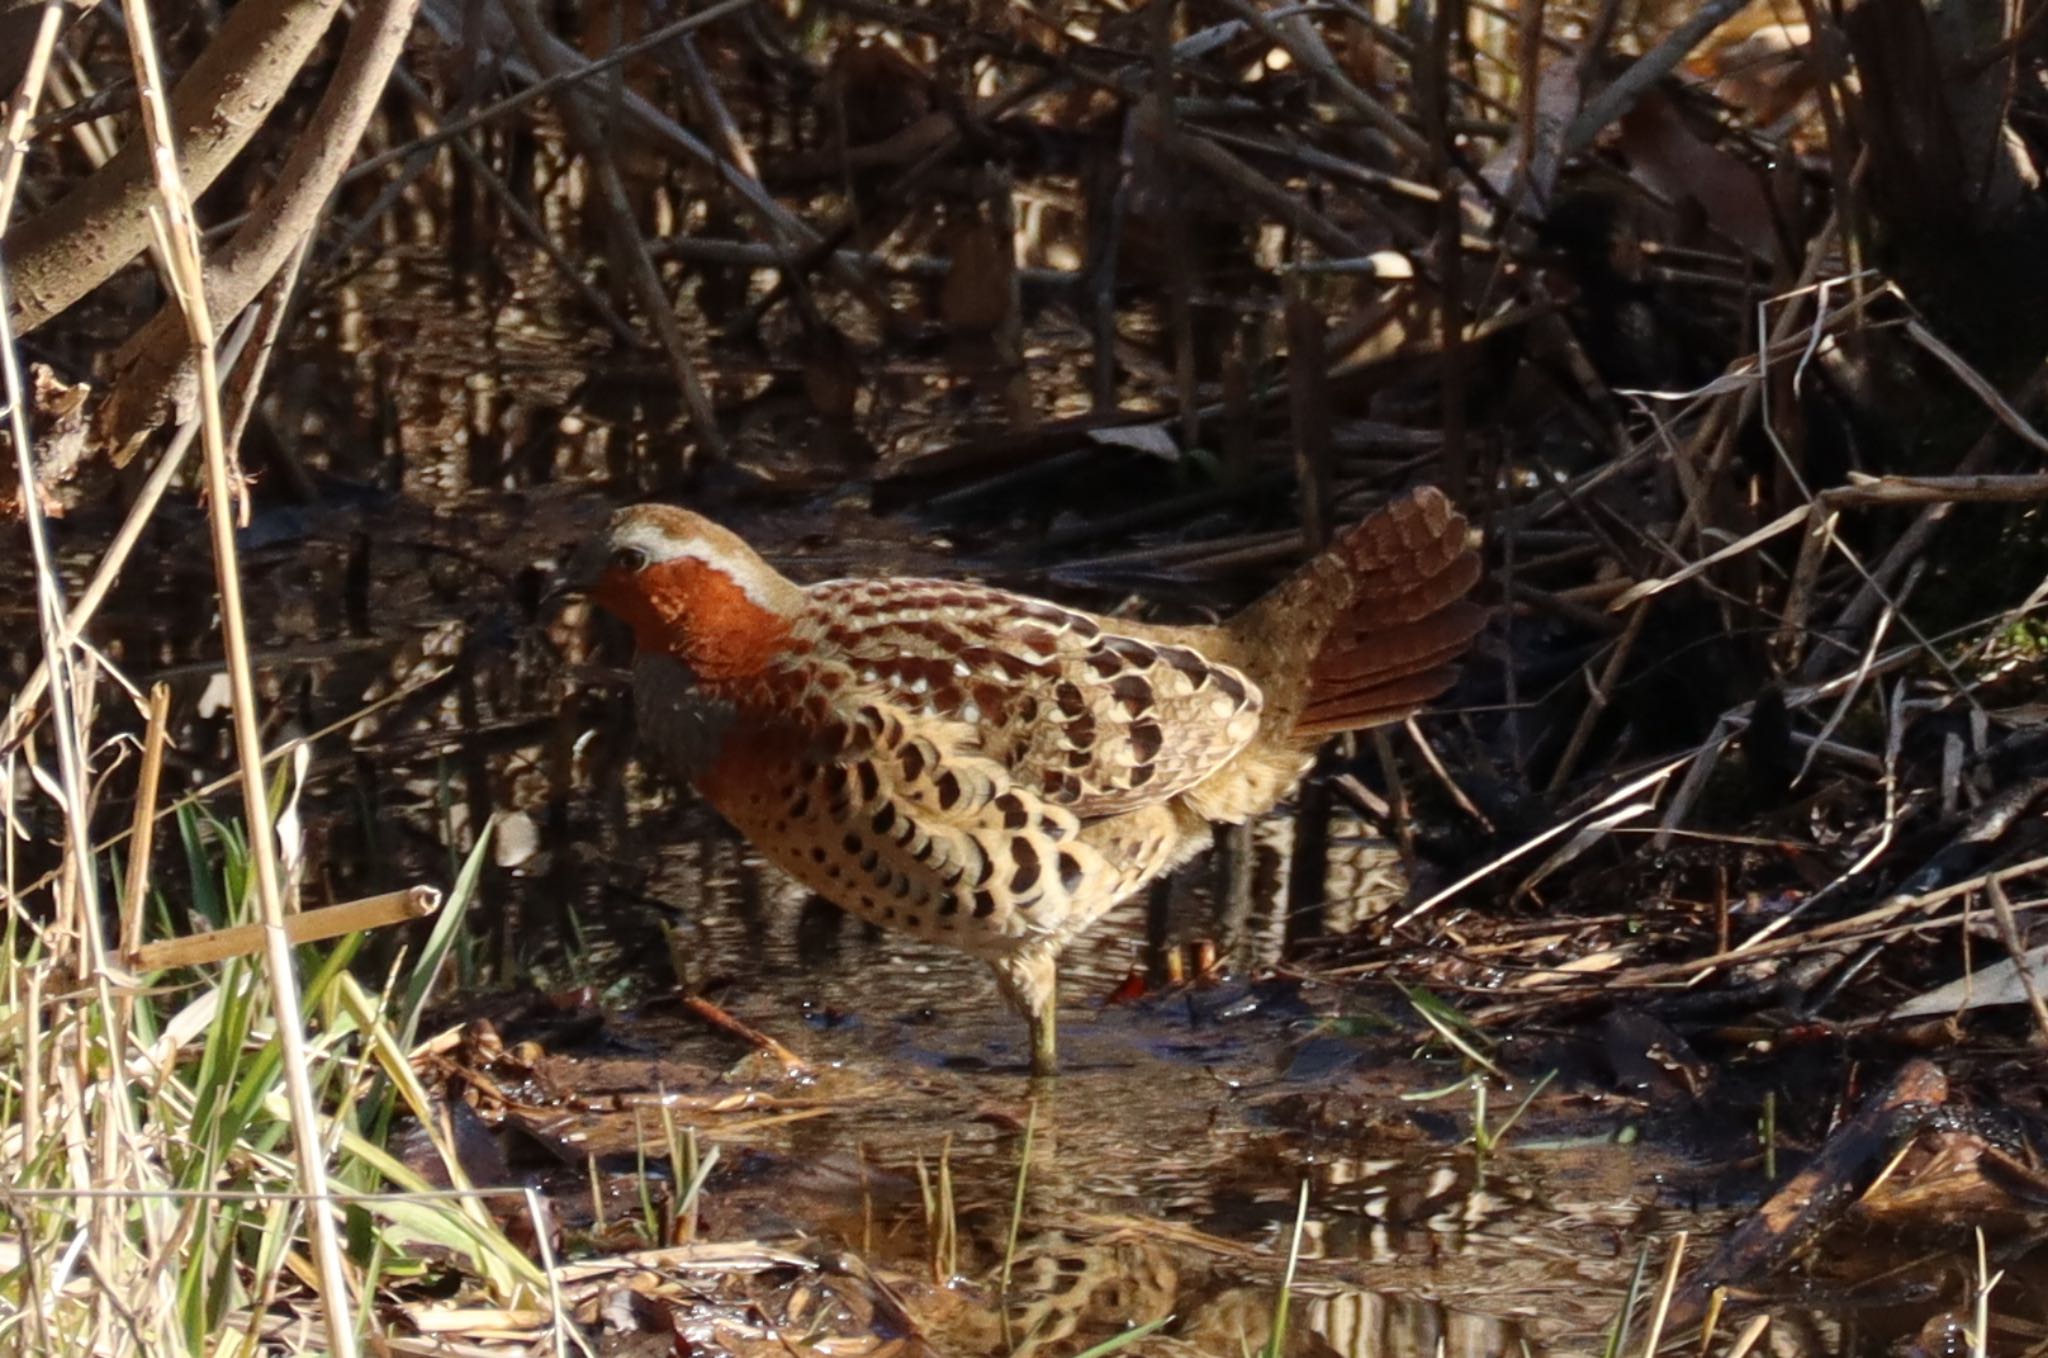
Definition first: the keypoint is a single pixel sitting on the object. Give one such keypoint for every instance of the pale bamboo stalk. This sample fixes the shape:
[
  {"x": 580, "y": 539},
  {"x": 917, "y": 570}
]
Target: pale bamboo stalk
[
  {"x": 143, "y": 839},
  {"x": 182, "y": 248},
  {"x": 14, "y": 149},
  {"x": 307, "y": 926},
  {"x": 144, "y": 836}
]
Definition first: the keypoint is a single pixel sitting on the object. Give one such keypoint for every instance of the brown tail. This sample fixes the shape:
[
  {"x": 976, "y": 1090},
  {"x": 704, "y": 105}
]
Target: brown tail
[{"x": 1377, "y": 621}]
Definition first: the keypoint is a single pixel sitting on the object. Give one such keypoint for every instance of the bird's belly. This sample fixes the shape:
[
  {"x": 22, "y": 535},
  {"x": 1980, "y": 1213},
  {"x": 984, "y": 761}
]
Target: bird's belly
[
  {"x": 769, "y": 788},
  {"x": 846, "y": 869}
]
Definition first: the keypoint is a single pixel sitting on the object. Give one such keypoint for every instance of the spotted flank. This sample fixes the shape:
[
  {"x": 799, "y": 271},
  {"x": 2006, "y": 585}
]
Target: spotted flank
[
  {"x": 1078, "y": 714},
  {"x": 898, "y": 820}
]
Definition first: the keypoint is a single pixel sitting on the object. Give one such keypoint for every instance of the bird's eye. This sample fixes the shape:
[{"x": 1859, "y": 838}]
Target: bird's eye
[{"x": 629, "y": 559}]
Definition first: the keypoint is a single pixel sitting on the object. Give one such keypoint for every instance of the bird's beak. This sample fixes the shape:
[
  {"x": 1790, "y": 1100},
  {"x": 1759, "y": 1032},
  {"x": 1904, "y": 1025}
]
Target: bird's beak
[{"x": 578, "y": 576}]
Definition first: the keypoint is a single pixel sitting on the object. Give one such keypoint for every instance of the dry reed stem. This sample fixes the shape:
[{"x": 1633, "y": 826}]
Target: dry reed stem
[
  {"x": 2009, "y": 933},
  {"x": 14, "y": 149},
  {"x": 87, "y": 1158},
  {"x": 181, "y": 247},
  {"x": 1615, "y": 798},
  {"x": 108, "y": 569},
  {"x": 283, "y": 751},
  {"x": 1665, "y": 1292},
  {"x": 306, "y": 926}
]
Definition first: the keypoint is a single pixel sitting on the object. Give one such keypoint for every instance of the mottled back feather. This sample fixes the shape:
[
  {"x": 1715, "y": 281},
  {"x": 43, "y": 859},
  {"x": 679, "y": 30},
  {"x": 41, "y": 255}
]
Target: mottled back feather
[
  {"x": 1083, "y": 715},
  {"x": 898, "y": 817}
]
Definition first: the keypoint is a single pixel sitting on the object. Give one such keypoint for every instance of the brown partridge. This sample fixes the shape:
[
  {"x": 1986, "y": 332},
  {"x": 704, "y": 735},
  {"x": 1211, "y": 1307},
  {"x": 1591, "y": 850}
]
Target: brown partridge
[{"x": 993, "y": 771}]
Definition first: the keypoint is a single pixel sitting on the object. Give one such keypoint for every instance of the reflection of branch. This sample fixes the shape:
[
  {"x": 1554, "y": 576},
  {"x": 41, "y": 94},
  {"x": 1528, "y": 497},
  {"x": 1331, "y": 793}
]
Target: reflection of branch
[
  {"x": 68, "y": 250},
  {"x": 154, "y": 367},
  {"x": 636, "y": 264}
]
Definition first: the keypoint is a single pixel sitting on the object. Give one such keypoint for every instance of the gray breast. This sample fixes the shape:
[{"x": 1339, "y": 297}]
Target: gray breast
[{"x": 682, "y": 725}]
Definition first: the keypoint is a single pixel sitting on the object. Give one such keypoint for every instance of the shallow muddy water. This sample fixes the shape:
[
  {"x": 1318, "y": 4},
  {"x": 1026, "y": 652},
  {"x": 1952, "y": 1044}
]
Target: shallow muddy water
[{"x": 1165, "y": 1162}]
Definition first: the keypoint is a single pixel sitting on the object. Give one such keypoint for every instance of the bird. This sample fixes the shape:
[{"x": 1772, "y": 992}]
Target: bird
[{"x": 993, "y": 771}]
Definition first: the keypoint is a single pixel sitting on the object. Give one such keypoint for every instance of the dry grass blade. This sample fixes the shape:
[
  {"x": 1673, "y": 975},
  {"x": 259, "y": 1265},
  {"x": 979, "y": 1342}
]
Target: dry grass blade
[{"x": 223, "y": 494}]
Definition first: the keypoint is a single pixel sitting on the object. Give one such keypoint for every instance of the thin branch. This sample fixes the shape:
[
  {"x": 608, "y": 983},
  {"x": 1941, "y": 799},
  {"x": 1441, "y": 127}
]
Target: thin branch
[{"x": 181, "y": 246}]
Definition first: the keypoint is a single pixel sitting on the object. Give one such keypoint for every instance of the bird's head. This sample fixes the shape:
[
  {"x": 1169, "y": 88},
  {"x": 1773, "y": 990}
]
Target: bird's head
[{"x": 687, "y": 587}]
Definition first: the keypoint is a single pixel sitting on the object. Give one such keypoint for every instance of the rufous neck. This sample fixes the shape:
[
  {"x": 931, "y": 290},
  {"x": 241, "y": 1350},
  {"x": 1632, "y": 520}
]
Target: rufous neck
[{"x": 693, "y": 611}]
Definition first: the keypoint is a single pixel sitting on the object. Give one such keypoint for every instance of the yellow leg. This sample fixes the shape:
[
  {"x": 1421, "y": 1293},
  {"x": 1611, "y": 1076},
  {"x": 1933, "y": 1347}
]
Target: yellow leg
[
  {"x": 1030, "y": 985},
  {"x": 1045, "y": 1036}
]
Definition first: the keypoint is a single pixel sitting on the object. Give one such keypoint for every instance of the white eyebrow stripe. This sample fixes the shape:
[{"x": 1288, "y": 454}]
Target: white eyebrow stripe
[{"x": 659, "y": 547}]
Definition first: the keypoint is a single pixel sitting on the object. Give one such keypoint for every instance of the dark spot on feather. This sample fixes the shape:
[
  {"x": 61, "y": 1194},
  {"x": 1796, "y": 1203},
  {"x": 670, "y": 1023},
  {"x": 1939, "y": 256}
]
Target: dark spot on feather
[
  {"x": 950, "y": 906},
  {"x": 984, "y": 905},
  {"x": 912, "y": 759},
  {"x": 1229, "y": 683},
  {"x": 949, "y": 790},
  {"x": 1033, "y": 639},
  {"x": 868, "y": 861},
  {"x": 871, "y": 717},
  {"x": 870, "y": 781},
  {"x": 1146, "y": 738},
  {"x": 884, "y": 818},
  {"x": 1027, "y": 708},
  {"x": 903, "y": 888},
  {"x": 1044, "y": 612},
  {"x": 1186, "y": 661},
  {"x": 1052, "y": 782},
  {"x": 1070, "y": 873},
  {"x": 1081, "y": 731},
  {"x": 835, "y": 782},
  {"x": 1057, "y": 617},
  {"x": 1079, "y": 759},
  {"x": 1026, "y": 875},
  {"x": 1012, "y": 807},
  {"x": 988, "y": 868},
  {"x": 1068, "y": 695},
  {"x": 1134, "y": 692},
  {"x": 1141, "y": 775},
  {"x": 994, "y": 703},
  {"x": 1133, "y": 651},
  {"x": 801, "y": 807},
  {"x": 851, "y": 843},
  {"x": 913, "y": 921},
  {"x": 817, "y": 853}
]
